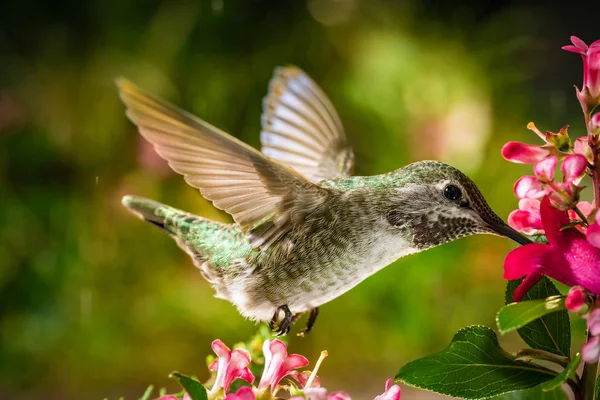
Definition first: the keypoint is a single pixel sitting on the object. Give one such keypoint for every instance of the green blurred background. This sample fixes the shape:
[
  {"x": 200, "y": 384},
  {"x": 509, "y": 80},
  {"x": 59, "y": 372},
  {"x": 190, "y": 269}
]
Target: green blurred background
[{"x": 95, "y": 303}]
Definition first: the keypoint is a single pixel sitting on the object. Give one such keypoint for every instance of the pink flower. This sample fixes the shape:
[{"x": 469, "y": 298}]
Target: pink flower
[
  {"x": 591, "y": 65},
  {"x": 568, "y": 257},
  {"x": 565, "y": 194},
  {"x": 313, "y": 393},
  {"x": 391, "y": 392},
  {"x": 243, "y": 393},
  {"x": 527, "y": 218},
  {"x": 591, "y": 350},
  {"x": 593, "y": 322},
  {"x": 278, "y": 364},
  {"x": 171, "y": 397},
  {"x": 528, "y": 187},
  {"x": 576, "y": 299},
  {"x": 229, "y": 366},
  {"x": 524, "y": 153}
]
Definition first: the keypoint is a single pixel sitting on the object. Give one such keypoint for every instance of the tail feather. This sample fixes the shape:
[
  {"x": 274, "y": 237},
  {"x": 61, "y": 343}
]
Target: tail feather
[{"x": 157, "y": 214}]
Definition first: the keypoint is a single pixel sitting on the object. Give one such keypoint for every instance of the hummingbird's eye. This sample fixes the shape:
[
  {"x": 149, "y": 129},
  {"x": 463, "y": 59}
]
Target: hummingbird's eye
[{"x": 453, "y": 193}]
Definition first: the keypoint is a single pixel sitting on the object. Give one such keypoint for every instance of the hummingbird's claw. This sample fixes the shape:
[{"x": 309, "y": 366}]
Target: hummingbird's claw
[
  {"x": 314, "y": 312},
  {"x": 286, "y": 323}
]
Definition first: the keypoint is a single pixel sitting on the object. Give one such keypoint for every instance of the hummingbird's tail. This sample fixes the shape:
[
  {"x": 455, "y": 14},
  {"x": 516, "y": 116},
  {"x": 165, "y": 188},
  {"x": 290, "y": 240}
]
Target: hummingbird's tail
[
  {"x": 214, "y": 246},
  {"x": 160, "y": 215}
]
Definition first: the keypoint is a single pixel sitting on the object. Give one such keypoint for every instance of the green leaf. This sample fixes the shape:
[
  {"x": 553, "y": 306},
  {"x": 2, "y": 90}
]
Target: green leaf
[
  {"x": 473, "y": 366},
  {"x": 147, "y": 393},
  {"x": 597, "y": 389},
  {"x": 534, "y": 394},
  {"x": 564, "y": 375},
  {"x": 191, "y": 386},
  {"x": 551, "y": 332},
  {"x": 517, "y": 315}
]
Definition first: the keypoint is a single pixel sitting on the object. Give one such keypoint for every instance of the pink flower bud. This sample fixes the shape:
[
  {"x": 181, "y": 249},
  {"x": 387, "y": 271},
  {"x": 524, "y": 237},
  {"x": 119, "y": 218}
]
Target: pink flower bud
[
  {"x": 523, "y": 153},
  {"x": 591, "y": 350},
  {"x": 576, "y": 299}
]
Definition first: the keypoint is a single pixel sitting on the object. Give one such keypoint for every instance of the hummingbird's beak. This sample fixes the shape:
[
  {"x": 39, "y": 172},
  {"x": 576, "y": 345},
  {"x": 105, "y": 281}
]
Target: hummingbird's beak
[{"x": 507, "y": 231}]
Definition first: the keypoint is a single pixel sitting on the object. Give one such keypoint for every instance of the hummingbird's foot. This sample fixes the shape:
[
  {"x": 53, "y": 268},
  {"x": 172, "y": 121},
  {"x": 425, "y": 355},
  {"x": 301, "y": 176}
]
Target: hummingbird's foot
[
  {"x": 286, "y": 323},
  {"x": 312, "y": 317}
]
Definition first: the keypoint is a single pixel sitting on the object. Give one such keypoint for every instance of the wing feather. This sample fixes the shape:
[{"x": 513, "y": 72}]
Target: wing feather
[
  {"x": 302, "y": 129},
  {"x": 253, "y": 188}
]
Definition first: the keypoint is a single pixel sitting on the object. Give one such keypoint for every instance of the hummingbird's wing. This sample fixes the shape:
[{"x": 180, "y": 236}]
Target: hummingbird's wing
[
  {"x": 263, "y": 196},
  {"x": 301, "y": 128}
]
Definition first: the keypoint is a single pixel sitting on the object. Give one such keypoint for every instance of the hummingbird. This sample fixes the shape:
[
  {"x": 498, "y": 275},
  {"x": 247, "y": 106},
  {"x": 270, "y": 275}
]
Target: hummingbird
[{"x": 305, "y": 229}]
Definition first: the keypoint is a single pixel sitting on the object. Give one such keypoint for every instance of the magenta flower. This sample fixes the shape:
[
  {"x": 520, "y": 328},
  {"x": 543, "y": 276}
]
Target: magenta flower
[
  {"x": 591, "y": 65},
  {"x": 229, "y": 366},
  {"x": 392, "y": 392},
  {"x": 278, "y": 364},
  {"x": 243, "y": 393},
  {"x": 576, "y": 299},
  {"x": 568, "y": 257}
]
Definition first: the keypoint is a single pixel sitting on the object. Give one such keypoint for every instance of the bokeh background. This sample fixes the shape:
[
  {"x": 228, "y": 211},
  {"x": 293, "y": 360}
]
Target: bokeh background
[{"x": 95, "y": 303}]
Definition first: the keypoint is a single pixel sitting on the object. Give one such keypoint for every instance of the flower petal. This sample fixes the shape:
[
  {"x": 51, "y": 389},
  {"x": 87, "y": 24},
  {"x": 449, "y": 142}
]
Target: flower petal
[
  {"x": 573, "y": 167},
  {"x": 523, "y": 153},
  {"x": 528, "y": 187},
  {"x": 275, "y": 353},
  {"x": 392, "y": 392},
  {"x": 593, "y": 322},
  {"x": 243, "y": 393},
  {"x": 220, "y": 349},
  {"x": 238, "y": 368},
  {"x": 527, "y": 218},
  {"x": 544, "y": 170},
  {"x": 591, "y": 350},
  {"x": 524, "y": 260},
  {"x": 593, "y": 234},
  {"x": 553, "y": 221},
  {"x": 339, "y": 395},
  {"x": 312, "y": 393}
]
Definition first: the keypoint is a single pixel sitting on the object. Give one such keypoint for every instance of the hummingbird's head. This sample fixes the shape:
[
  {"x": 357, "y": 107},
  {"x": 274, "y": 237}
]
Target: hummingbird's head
[{"x": 437, "y": 203}]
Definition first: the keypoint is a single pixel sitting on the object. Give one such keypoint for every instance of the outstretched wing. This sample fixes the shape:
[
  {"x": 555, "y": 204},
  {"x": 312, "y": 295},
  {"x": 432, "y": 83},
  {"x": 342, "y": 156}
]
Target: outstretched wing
[
  {"x": 262, "y": 195},
  {"x": 301, "y": 128}
]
